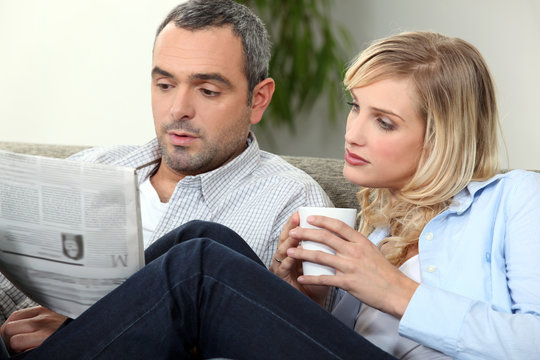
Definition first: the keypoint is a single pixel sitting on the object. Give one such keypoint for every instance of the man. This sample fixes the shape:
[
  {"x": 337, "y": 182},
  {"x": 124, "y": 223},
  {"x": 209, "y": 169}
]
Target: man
[{"x": 209, "y": 83}]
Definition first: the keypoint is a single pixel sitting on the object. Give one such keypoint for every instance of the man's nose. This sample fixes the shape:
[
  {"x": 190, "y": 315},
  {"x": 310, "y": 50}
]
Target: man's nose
[{"x": 182, "y": 108}]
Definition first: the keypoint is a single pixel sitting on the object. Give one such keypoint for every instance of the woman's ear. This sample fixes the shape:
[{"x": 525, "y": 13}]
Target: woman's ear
[{"x": 262, "y": 94}]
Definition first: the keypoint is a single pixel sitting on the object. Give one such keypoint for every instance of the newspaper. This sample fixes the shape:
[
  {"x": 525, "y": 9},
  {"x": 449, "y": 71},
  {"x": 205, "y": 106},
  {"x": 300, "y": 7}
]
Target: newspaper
[{"x": 70, "y": 232}]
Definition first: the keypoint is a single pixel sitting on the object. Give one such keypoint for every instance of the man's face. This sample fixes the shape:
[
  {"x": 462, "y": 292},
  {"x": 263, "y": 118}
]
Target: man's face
[{"x": 199, "y": 98}]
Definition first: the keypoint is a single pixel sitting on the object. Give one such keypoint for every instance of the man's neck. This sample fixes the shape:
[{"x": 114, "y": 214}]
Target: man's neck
[{"x": 165, "y": 181}]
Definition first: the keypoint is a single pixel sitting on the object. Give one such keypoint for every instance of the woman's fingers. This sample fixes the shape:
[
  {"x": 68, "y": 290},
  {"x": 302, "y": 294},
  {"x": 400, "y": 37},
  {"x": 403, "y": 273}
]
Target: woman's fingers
[
  {"x": 314, "y": 256},
  {"x": 291, "y": 223},
  {"x": 332, "y": 233},
  {"x": 280, "y": 264},
  {"x": 333, "y": 225}
]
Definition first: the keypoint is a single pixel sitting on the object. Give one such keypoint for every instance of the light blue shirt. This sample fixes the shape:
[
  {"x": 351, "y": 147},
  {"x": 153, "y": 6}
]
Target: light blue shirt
[
  {"x": 480, "y": 264},
  {"x": 480, "y": 291}
]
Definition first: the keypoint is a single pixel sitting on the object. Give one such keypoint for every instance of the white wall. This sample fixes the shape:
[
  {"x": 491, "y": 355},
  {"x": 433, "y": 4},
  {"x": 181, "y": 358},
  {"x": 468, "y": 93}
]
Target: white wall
[{"x": 76, "y": 72}]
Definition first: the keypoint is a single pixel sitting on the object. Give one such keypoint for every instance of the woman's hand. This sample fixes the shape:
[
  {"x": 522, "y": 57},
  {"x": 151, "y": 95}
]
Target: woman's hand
[
  {"x": 361, "y": 269},
  {"x": 289, "y": 269}
]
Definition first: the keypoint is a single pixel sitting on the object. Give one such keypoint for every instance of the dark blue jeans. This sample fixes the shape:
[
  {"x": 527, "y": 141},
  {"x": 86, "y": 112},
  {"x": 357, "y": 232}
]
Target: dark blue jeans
[{"x": 203, "y": 288}]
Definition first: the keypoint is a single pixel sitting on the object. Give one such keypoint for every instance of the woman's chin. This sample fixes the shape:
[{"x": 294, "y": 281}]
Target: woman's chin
[{"x": 352, "y": 175}]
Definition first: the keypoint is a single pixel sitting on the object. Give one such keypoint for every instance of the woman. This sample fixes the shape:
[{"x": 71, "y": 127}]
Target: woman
[
  {"x": 451, "y": 259},
  {"x": 422, "y": 139}
]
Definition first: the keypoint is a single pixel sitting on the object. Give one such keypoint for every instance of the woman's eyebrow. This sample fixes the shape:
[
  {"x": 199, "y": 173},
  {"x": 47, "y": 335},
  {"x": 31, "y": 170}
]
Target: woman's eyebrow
[{"x": 387, "y": 112}]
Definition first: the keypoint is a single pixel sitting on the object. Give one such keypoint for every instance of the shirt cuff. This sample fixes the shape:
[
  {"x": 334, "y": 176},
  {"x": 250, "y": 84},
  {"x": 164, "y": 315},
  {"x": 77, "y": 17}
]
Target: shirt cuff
[{"x": 434, "y": 318}]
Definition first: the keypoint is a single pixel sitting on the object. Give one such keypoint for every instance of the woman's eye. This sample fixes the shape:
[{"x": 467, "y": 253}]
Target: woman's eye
[
  {"x": 385, "y": 124},
  {"x": 354, "y": 106}
]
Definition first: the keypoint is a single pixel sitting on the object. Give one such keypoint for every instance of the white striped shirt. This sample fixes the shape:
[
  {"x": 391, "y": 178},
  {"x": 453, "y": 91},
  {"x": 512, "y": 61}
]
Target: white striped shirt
[{"x": 253, "y": 194}]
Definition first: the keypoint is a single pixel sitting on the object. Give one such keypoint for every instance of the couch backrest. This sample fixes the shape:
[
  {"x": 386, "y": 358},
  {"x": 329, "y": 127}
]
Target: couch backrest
[{"x": 327, "y": 172}]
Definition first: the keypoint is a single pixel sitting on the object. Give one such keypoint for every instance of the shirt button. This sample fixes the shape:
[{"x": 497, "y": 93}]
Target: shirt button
[
  {"x": 431, "y": 268},
  {"x": 429, "y": 236}
]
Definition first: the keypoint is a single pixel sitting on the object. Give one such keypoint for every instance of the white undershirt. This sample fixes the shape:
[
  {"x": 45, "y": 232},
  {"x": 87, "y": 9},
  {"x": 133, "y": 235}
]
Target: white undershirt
[
  {"x": 152, "y": 209},
  {"x": 382, "y": 329}
]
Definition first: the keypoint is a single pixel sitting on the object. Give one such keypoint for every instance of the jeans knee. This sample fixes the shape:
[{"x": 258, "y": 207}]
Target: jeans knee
[
  {"x": 203, "y": 226},
  {"x": 195, "y": 256},
  {"x": 197, "y": 247}
]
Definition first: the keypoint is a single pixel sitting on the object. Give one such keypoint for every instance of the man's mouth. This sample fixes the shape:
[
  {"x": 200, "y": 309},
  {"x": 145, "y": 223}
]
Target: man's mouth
[{"x": 180, "y": 138}]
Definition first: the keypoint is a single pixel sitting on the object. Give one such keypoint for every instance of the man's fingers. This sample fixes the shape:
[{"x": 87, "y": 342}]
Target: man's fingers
[
  {"x": 22, "y": 342},
  {"x": 15, "y": 327},
  {"x": 27, "y": 313},
  {"x": 23, "y": 332}
]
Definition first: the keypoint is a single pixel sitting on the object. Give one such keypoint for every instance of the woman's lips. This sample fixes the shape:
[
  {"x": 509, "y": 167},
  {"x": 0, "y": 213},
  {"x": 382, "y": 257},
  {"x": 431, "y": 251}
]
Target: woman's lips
[
  {"x": 181, "y": 139},
  {"x": 355, "y": 160}
]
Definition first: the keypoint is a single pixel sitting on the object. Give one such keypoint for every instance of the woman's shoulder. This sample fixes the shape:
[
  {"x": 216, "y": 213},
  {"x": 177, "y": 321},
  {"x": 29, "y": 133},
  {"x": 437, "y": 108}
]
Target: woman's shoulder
[
  {"x": 516, "y": 184},
  {"x": 509, "y": 178},
  {"x": 520, "y": 176},
  {"x": 518, "y": 187}
]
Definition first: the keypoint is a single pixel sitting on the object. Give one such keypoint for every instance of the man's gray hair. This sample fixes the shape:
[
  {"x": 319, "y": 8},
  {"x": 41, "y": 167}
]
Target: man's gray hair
[{"x": 201, "y": 14}]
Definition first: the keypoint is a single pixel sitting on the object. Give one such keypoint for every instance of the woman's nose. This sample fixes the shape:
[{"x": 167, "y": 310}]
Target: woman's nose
[{"x": 355, "y": 132}]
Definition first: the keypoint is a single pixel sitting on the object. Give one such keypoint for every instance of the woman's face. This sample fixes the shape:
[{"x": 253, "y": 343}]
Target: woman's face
[{"x": 384, "y": 136}]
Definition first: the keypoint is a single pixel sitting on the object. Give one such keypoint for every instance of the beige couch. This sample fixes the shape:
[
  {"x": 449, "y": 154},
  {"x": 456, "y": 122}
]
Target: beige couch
[{"x": 327, "y": 172}]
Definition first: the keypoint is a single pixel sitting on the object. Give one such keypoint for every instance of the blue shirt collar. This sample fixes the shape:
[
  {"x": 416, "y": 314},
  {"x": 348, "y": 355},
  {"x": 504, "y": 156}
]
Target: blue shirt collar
[{"x": 463, "y": 200}]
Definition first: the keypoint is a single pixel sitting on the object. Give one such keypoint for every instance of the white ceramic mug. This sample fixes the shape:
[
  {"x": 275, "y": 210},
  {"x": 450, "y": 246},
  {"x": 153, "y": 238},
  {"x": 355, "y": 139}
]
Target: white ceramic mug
[{"x": 348, "y": 216}]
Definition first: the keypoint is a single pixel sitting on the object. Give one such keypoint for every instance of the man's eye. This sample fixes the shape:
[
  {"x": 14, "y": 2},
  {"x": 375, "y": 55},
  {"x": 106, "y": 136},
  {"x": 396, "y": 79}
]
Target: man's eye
[
  {"x": 164, "y": 86},
  {"x": 209, "y": 92}
]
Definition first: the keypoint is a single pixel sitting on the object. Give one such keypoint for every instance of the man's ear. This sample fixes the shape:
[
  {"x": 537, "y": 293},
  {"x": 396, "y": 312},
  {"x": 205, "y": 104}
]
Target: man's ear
[{"x": 262, "y": 94}]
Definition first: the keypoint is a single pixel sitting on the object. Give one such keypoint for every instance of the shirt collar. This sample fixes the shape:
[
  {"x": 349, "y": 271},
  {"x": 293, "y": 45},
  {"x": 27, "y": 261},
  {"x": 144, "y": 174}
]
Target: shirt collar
[
  {"x": 460, "y": 204},
  {"x": 143, "y": 158},
  {"x": 465, "y": 197},
  {"x": 224, "y": 179}
]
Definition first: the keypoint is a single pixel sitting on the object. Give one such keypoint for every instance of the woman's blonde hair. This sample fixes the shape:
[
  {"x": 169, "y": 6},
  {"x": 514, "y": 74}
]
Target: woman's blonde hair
[{"x": 456, "y": 98}]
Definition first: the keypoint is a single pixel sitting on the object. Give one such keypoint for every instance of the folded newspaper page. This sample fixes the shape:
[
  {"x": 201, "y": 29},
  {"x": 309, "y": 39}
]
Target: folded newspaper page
[{"x": 70, "y": 232}]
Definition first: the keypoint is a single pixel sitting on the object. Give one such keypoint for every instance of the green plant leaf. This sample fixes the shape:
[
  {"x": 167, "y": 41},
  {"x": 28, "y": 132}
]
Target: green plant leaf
[{"x": 308, "y": 56}]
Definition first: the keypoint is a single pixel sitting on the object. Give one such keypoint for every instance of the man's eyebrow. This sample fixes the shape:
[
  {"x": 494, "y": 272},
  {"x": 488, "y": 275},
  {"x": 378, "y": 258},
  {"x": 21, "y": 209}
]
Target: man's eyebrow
[
  {"x": 212, "y": 76},
  {"x": 158, "y": 71},
  {"x": 195, "y": 77}
]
